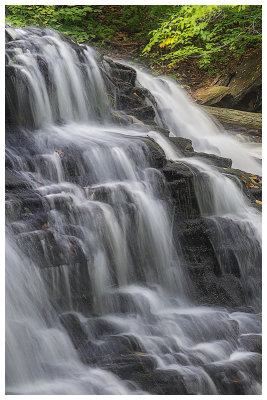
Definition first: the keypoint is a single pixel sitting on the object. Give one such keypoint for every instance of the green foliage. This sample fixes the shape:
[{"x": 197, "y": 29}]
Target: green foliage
[
  {"x": 168, "y": 34},
  {"x": 205, "y": 33},
  {"x": 139, "y": 20},
  {"x": 89, "y": 22},
  {"x": 76, "y": 21}
]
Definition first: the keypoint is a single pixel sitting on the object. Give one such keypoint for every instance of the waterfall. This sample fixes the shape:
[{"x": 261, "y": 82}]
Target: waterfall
[
  {"x": 98, "y": 293},
  {"x": 219, "y": 198},
  {"x": 60, "y": 84},
  {"x": 175, "y": 113}
]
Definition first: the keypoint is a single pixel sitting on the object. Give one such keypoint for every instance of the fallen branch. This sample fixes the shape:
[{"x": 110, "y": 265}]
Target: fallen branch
[{"x": 227, "y": 116}]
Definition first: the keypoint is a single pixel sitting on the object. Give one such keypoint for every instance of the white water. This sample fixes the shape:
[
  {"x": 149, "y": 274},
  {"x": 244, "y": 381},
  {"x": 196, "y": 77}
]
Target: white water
[
  {"x": 75, "y": 90},
  {"x": 220, "y": 196},
  {"x": 183, "y": 118},
  {"x": 40, "y": 358},
  {"x": 107, "y": 241}
]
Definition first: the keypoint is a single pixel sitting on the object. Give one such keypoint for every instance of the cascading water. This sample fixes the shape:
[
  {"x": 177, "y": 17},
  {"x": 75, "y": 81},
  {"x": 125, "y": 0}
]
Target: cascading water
[
  {"x": 219, "y": 198},
  {"x": 191, "y": 122},
  {"x": 97, "y": 293}
]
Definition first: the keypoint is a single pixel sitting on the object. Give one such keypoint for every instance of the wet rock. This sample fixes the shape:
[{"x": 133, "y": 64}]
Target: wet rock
[
  {"x": 144, "y": 113},
  {"x": 214, "y": 159},
  {"x": 41, "y": 247},
  {"x": 98, "y": 341},
  {"x": 130, "y": 99},
  {"x": 124, "y": 345},
  {"x": 127, "y": 75},
  {"x": 69, "y": 287},
  {"x": 75, "y": 329},
  {"x": 17, "y": 113},
  {"x": 211, "y": 284},
  {"x": 126, "y": 303},
  {"x": 138, "y": 92},
  {"x": 120, "y": 80},
  {"x": 180, "y": 183},
  {"x": 89, "y": 351},
  {"x": 10, "y": 161},
  {"x": 251, "y": 342},
  {"x": 8, "y": 37},
  {"x": 33, "y": 202},
  {"x": 99, "y": 327},
  {"x": 175, "y": 170},
  {"x": 214, "y": 290},
  {"x": 128, "y": 102},
  {"x": 186, "y": 148},
  {"x": 49, "y": 249},
  {"x": 155, "y": 153},
  {"x": 164, "y": 131},
  {"x": 120, "y": 71},
  {"x": 184, "y": 199},
  {"x": 100, "y": 193},
  {"x": 16, "y": 180},
  {"x": 43, "y": 65},
  {"x": 250, "y": 184},
  {"x": 74, "y": 251},
  {"x": 227, "y": 379},
  {"x": 133, "y": 367},
  {"x": 230, "y": 380},
  {"x": 183, "y": 144},
  {"x": 61, "y": 202},
  {"x": 13, "y": 207},
  {"x": 168, "y": 382},
  {"x": 196, "y": 244},
  {"x": 256, "y": 193}
]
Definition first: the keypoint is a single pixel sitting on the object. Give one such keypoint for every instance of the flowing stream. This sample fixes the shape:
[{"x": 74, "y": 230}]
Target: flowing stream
[{"x": 98, "y": 298}]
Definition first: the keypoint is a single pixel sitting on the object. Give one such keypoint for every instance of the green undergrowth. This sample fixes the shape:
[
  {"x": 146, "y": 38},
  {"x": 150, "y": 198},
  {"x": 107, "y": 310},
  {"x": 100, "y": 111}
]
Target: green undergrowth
[{"x": 165, "y": 35}]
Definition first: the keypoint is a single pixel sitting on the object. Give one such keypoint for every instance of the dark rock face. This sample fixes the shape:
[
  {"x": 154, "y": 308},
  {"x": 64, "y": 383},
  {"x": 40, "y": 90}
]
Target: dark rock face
[
  {"x": 241, "y": 89},
  {"x": 181, "y": 186},
  {"x": 155, "y": 154},
  {"x": 246, "y": 84},
  {"x": 15, "y": 180},
  {"x": 251, "y": 343},
  {"x": 127, "y": 97},
  {"x": 186, "y": 148},
  {"x": 211, "y": 285},
  {"x": 250, "y": 184}
]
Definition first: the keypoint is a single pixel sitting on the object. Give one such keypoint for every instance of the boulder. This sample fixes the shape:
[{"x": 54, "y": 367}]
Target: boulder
[
  {"x": 241, "y": 89},
  {"x": 213, "y": 95},
  {"x": 120, "y": 81},
  {"x": 183, "y": 144},
  {"x": 155, "y": 153},
  {"x": 247, "y": 82},
  {"x": 144, "y": 113},
  {"x": 186, "y": 148},
  {"x": 120, "y": 71}
]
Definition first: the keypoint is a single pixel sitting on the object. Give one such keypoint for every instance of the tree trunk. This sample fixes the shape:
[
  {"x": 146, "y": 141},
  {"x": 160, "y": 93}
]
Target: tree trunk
[{"x": 228, "y": 117}]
